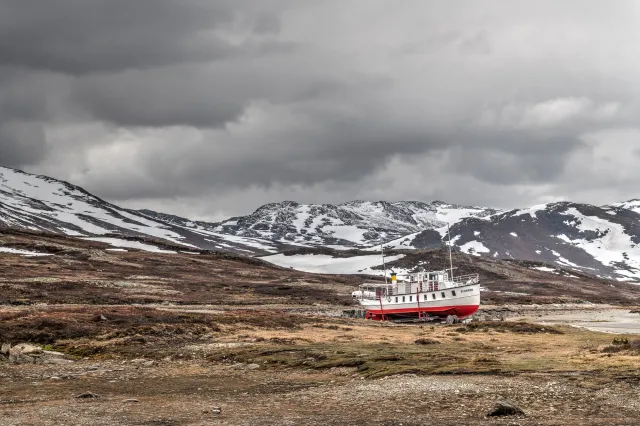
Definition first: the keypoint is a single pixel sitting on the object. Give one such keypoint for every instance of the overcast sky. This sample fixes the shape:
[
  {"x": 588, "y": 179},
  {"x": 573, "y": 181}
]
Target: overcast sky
[{"x": 211, "y": 108}]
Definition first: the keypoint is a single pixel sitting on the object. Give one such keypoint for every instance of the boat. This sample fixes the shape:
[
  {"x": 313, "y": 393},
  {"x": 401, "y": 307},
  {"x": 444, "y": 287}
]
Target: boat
[{"x": 423, "y": 296}]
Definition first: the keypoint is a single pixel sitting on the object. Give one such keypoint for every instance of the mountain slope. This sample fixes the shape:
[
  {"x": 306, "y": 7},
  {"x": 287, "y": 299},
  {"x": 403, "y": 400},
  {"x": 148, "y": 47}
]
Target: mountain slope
[
  {"x": 41, "y": 203},
  {"x": 604, "y": 240}
]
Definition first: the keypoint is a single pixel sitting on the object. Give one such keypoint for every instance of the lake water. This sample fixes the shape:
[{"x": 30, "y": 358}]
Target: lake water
[{"x": 619, "y": 321}]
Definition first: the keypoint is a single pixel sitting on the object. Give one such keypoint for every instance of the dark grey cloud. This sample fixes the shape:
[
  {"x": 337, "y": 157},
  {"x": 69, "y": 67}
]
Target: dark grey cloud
[
  {"x": 177, "y": 105},
  {"x": 80, "y": 37},
  {"x": 22, "y": 143}
]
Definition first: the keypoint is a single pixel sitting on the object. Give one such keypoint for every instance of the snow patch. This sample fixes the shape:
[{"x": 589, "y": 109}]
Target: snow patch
[
  {"x": 612, "y": 246},
  {"x": 325, "y": 264},
  {"x": 474, "y": 247},
  {"x": 532, "y": 211},
  {"x": 117, "y": 242},
  {"x": 544, "y": 268},
  {"x": 349, "y": 233},
  {"x": 25, "y": 253}
]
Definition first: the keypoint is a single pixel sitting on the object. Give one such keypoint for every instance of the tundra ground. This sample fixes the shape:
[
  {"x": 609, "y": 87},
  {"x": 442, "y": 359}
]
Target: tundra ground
[
  {"x": 196, "y": 339},
  {"x": 153, "y": 366}
]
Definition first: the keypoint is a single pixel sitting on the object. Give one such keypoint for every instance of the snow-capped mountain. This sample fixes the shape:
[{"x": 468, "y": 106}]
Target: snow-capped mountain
[
  {"x": 598, "y": 240},
  {"x": 602, "y": 240},
  {"x": 633, "y": 205},
  {"x": 352, "y": 224},
  {"x": 41, "y": 203}
]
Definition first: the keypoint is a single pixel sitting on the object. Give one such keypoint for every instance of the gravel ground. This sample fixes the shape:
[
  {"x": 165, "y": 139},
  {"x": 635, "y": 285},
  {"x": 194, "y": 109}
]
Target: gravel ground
[{"x": 185, "y": 393}]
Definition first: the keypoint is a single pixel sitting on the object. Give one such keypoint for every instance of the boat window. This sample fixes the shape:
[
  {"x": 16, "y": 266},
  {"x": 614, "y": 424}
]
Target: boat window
[
  {"x": 396, "y": 300},
  {"x": 410, "y": 298},
  {"x": 453, "y": 292},
  {"x": 444, "y": 295},
  {"x": 403, "y": 298},
  {"x": 434, "y": 295},
  {"x": 425, "y": 297}
]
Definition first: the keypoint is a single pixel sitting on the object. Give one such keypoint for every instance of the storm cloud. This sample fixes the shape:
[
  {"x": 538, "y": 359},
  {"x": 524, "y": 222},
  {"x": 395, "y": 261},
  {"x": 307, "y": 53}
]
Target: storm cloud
[{"x": 210, "y": 108}]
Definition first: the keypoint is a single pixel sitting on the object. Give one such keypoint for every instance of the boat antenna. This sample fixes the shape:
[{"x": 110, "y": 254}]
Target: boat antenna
[{"x": 450, "y": 257}]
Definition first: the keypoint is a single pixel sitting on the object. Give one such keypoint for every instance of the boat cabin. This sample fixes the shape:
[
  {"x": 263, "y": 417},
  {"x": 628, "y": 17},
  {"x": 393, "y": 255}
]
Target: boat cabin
[{"x": 420, "y": 282}]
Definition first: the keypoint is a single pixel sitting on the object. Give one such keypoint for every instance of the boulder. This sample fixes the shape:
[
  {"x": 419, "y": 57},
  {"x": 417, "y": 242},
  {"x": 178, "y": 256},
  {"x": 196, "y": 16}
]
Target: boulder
[
  {"x": 24, "y": 359},
  {"x": 506, "y": 408},
  {"x": 28, "y": 349},
  {"x": 15, "y": 351},
  {"x": 24, "y": 349},
  {"x": 24, "y": 353},
  {"x": 4, "y": 350},
  {"x": 87, "y": 395}
]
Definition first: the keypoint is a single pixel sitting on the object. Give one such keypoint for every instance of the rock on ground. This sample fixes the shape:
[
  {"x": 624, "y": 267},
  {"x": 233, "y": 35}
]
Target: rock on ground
[{"x": 506, "y": 408}]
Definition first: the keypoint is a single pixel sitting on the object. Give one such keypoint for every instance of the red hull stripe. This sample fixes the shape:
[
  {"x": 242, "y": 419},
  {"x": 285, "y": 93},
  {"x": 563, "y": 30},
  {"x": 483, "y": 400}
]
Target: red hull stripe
[{"x": 460, "y": 310}]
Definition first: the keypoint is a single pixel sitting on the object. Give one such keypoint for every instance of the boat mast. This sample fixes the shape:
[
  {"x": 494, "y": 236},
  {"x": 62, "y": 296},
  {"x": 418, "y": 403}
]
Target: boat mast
[
  {"x": 383, "y": 264},
  {"x": 450, "y": 258}
]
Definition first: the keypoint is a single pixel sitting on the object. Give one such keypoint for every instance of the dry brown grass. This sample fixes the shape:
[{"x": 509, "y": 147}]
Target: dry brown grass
[{"x": 296, "y": 342}]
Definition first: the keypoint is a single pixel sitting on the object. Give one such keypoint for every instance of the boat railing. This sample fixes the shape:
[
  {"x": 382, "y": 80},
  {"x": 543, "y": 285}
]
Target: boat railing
[{"x": 465, "y": 279}]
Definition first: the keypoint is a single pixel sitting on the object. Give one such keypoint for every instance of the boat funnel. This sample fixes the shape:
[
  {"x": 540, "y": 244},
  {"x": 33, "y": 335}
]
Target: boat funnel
[{"x": 394, "y": 278}]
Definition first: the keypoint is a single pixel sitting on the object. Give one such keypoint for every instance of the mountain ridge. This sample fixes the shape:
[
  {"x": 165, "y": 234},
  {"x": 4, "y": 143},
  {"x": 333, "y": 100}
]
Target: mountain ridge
[{"x": 603, "y": 240}]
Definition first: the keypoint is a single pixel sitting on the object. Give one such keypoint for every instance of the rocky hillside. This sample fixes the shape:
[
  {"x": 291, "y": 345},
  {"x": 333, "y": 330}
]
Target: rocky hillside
[
  {"x": 600, "y": 240},
  {"x": 352, "y": 224}
]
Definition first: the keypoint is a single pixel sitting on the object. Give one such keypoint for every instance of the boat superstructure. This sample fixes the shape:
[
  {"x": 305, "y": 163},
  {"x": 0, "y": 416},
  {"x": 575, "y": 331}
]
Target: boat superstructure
[{"x": 423, "y": 294}]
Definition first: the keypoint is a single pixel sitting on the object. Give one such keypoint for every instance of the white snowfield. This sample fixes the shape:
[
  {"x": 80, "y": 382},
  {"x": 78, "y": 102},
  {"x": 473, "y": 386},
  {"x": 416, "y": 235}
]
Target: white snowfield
[
  {"x": 325, "y": 264},
  {"x": 612, "y": 247}
]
